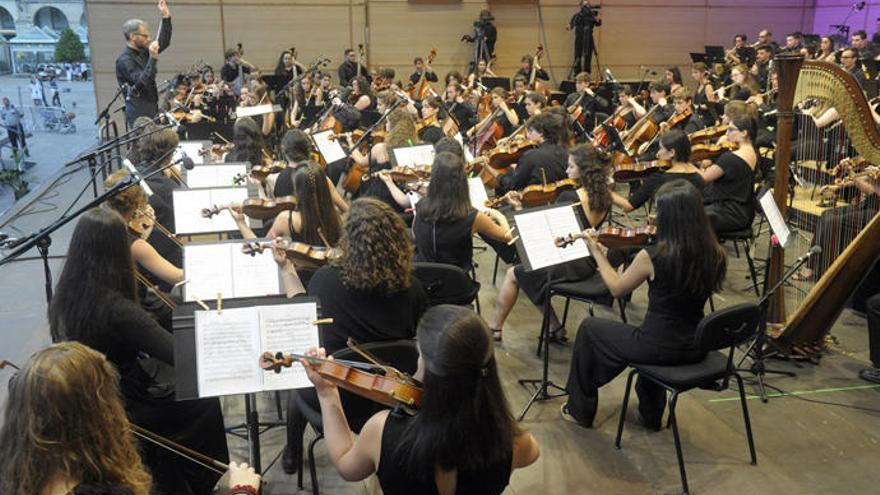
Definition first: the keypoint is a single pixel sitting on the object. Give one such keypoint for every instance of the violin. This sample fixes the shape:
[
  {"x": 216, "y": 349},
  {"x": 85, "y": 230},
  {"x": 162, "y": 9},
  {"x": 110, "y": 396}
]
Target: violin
[
  {"x": 704, "y": 151},
  {"x": 539, "y": 194},
  {"x": 388, "y": 386},
  {"x": 143, "y": 221},
  {"x": 615, "y": 237},
  {"x": 165, "y": 298},
  {"x": 298, "y": 252},
  {"x": 261, "y": 209},
  {"x": 708, "y": 134},
  {"x": 375, "y": 136},
  {"x": 217, "y": 151},
  {"x": 426, "y": 122},
  {"x": 626, "y": 172},
  {"x": 502, "y": 155},
  {"x": 679, "y": 118},
  {"x": 192, "y": 116},
  {"x": 403, "y": 174},
  {"x": 260, "y": 172},
  {"x": 489, "y": 175}
]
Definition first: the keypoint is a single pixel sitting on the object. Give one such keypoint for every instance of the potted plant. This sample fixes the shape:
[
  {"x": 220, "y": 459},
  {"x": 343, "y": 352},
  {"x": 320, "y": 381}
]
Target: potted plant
[{"x": 15, "y": 179}]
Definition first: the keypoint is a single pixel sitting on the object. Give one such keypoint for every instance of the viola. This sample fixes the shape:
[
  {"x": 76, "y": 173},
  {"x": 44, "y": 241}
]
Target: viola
[
  {"x": 708, "y": 134},
  {"x": 261, "y": 209},
  {"x": 615, "y": 237},
  {"x": 375, "y": 136},
  {"x": 260, "y": 172},
  {"x": 704, "y": 151},
  {"x": 298, "y": 252},
  {"x": 538, "y": 194},
  {"x": 502, "y": 155},
  {"x": 192, "y": 116},
  {"x": 626, "y": 172},
  {"x": 679, "y": 118},
  {"x": 217, "y": 151},
  {"x": 388, "y": 387},
  {"x": 489, "y": 175}
]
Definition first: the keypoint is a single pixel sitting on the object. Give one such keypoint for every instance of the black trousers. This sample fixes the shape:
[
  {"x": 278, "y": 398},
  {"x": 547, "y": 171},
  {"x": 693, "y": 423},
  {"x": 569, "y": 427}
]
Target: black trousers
[
  {"x": 602, "y": 350},
  {"x": 16, "y": 136},
  {"x": 873, "y": 311}
]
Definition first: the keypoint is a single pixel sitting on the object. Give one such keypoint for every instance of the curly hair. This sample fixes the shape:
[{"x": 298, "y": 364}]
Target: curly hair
[
  {"x": 127, "y": 202},
  {"x": 376, "y": 252},
  {"x": 65, "y": 417},
  {"x": 593, "y": 167},
  {"x": 403, "y": 129}
]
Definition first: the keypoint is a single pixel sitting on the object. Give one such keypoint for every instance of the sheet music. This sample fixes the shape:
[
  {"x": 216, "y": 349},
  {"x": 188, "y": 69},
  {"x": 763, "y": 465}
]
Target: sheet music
[
  {"x": 227, "y": 352},
  {"x": 330, "y": 149},
  {"x": 289, "y": 329},
  {"x": 188, "y": 205},
  {"x": 215, "y": 175},
  {"x": 413, "y": 156},
  {"x": 255, "y": 110},
  {"x": 774, "y": 218},
  {"x": 222, "y": 267},
  {"x": 192, "y": 149},
  {"x": 477, "y": 193},
  {"x": 538, "y": 231}
]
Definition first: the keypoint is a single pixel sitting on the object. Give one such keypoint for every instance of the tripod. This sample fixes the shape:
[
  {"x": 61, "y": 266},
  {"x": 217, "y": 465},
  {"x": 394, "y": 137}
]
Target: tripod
[
  {"x": 584, "y": 43},
  {"x": 756, "y": 349}
]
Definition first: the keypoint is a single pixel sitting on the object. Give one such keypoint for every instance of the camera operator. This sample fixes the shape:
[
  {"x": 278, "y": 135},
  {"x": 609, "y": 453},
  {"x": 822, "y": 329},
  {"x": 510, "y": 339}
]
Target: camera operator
[
  {"x": 583, "y": 23},
  {"x": 485, "y": 32}
]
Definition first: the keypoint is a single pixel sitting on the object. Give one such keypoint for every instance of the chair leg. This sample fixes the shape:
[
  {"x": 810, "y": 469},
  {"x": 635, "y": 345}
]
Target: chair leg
[
  {"x": 673, "y": 399},
  {"x": 565, "y": 311},
  {"x": 711, "y": 303},
  {"x": 495, "y": 270},
  {"x": 629, "y": 381},
  {"x": 745, "y": 407},
  {"x": 736, "y": 247},
  {"x": 752, "y": 268},
  {"x": 278, "y": 405},
  {"x": 313, "y": 472},
  {"x": 477, "y": 302},
  {"x": 622, "y": 304}
]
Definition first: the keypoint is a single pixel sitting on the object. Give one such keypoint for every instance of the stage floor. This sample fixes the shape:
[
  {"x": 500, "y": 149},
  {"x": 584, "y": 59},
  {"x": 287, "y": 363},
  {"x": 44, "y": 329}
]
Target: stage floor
[{"x": 803, "y": 446}]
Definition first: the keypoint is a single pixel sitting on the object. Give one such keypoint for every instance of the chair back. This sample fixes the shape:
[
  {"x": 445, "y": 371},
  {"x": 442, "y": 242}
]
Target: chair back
[
  {"x": 401, "y": 354},
  {"x": 727, "y": 327},
  {"x": 445, "y": 284}
]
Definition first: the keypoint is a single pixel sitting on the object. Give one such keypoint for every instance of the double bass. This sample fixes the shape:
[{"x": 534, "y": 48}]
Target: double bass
[
  {"x": 536, "y": 86},
  {"x": 422, "y": 89}
]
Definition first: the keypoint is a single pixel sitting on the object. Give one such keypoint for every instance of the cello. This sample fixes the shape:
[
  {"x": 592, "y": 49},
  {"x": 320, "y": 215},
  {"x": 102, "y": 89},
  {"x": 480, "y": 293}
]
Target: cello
[{"x": 533, "y": 83}]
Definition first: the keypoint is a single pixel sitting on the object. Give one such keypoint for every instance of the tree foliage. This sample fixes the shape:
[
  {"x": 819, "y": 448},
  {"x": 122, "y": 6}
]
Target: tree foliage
[{"x": 69, "y": 48}]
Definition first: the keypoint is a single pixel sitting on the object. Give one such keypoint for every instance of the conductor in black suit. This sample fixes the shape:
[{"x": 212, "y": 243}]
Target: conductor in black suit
[{"x": 136, "y": 66}]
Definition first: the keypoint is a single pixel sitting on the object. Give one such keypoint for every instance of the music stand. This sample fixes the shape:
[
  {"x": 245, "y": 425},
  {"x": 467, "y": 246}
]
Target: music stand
[
  {"x": 275, "y": 83},
  {"x": 746, "y": 55},
  {"x": 614, "y": 135},
  {"x": 538, "y": 228},
  {"x": 496, "y": 82},
  {"x": 715, "y": 54},
  {"x": 698, "y": 57}
]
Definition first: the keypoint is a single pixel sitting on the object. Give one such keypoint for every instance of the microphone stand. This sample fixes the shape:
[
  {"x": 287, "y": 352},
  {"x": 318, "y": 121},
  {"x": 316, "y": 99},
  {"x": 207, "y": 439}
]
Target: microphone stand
[
  {"x": 42, "y": 238},
  {"x": 756, "y": 349},
  {"x": 373, "y": 127}
]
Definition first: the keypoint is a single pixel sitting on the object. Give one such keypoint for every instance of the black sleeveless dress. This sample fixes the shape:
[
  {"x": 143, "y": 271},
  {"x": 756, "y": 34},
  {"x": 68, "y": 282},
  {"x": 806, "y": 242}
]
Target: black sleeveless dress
[
  {"x": 395, "y": 482},
  {"x": 445, "y": 242}
]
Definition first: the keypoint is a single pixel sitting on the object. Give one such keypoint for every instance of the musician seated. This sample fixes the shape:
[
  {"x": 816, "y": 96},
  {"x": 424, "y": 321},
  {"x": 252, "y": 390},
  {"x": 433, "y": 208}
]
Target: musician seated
[
  {"x": 420, "y": 68},
  {"x": 255, "y": 93},
  {"x": 849, "y": 60},
  {"x": 659, "y": 92},
  {"x": 682, "y": 270},
  {"x": 589, "y": 167},
  {"x": 546, "y": 163},
  {"x": 672, "y": 75},
  {"x": 463, "y": 112},
  {"x": 525, "y": 69},
  {"x": 534, "y": 103},
  {"x": 432, "y": 132},
  {"x": 369, "y": 292},
  {"x": 445, "y": 222},
  {"x": 675, "y": 147},
  {"x": 470, "y": 448},
  {"x": 745, "y": 87},
  {"x": 518, "y": 96},
  {"x": 683, "y": 118},
  {"x": 588, "y": 100},
  {"x": 837, "y": 227},
  {"x": 249, "y": 146},
  {"x": 501, "y": 114},
  {"x": 296, "y": 150},
  {"x": 95, "y": 303},
  {"x": 729, "y": 193}
]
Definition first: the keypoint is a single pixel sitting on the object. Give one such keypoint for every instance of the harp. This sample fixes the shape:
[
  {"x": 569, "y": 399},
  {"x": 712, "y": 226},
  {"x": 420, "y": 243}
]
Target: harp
[{"x": 815, "y": 308}]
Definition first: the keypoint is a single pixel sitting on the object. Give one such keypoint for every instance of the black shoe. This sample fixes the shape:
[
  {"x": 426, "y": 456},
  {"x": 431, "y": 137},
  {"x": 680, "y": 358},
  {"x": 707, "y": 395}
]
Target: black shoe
[
  {"x": 558, "y": 336},
  {"x": 870, "y": 374},
  {"x": 651, "y": 425},
  {"x": 290, "y": 460}
]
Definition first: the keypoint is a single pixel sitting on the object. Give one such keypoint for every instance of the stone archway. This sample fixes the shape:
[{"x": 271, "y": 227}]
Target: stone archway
[{"x": 52, "y": 18}]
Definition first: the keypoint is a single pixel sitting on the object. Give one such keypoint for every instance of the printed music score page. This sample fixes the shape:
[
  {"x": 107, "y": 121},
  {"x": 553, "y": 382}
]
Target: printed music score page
[
  {"x": 477, "y": 193},
  {"x": 774, "y": 218},
  {"x": 413, "y": 156},
  {"x": 192, "y": 149},
  {"x": 219, "y": 175},
  {"x": 222, "y": 267},
  {"x": 188, "y": 205},
  {"x": 330, "y": 149},
  {"x": 229, "y": 345},
  {"x": 538, "y": 229}
]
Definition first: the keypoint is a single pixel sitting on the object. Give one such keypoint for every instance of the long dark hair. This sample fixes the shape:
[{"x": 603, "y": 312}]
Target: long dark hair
[
  {"x": 593, "y": 166},
  {"x": 686, "y": 241},
  {"x": 464, "y": 422},
  {"x": 98, "y": 264},
  {"x": 280, "y": 70},
  {"x": 295, "y": 145},
  {"x": 448, "y": 199},
  {"x": 248, "y": 139},
  {"x": 315, "y": 206}
]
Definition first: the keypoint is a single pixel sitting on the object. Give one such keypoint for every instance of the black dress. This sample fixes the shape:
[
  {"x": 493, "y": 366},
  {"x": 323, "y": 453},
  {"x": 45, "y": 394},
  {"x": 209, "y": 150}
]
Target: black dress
[
  {"x": 162, "y": 202},
  {"x": 536, "y": 282},
  {"x": 431, "y": 134},
  {"x": 394, "y": 481},
  {"x": 604, "y": 348},
  {"x": 729, "y": 200},
  {"x": 147, "y": 389},
  {"x": 649, "y": 187},
  {"x": 376, "y": 188},
  {"x": 445, "y": 242},
  {"x": 365, "y": 316}
]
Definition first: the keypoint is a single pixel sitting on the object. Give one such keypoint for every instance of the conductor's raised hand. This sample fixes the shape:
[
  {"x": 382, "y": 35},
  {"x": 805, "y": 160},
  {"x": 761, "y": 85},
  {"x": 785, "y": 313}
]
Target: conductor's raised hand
[{"x": 163, "y": 9}]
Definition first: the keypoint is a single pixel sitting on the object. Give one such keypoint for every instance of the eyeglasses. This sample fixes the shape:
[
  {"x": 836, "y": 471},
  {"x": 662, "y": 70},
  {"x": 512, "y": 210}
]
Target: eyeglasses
[{"x": 145, "y": 35}]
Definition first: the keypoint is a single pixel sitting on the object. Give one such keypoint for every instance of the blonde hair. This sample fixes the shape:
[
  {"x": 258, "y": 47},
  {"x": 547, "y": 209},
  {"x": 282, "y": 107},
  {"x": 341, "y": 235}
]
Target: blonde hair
[
  {"x": 403, "y": 129},
  {"x": 65, "y": 417},
  {"x": 127, "y": 202}
]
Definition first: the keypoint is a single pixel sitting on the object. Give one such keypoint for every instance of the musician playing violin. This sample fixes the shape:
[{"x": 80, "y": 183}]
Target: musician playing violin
[
  {"x": 518, "y": 96},
  {"x": 659, "y": 92},
  {"x": 546, "y": 162},
  {"x": 296, "y": 148},
  {"x": 682, "y": 118},
  {"x": 589, "y": 167},
  {"x": 682, "y": 271},
  {"x": 730, "y": 180},
  {"x": 256, "y": 92},
  {"x": 675, "y": 147}
]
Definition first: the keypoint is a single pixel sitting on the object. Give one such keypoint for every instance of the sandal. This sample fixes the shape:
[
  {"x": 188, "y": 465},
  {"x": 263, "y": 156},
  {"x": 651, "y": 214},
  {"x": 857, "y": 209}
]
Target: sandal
[{"x": 496, "y": 334}]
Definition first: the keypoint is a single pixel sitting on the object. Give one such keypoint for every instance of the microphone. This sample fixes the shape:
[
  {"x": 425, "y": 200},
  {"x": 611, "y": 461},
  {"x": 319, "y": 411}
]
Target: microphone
[
  {"x": 859, "y": 6},
  {"x": 186, "y": 161},
  {"x": 171, "y": 120},
  {"x": 813, "y": 251},
  {"x": 609, "y": 76},
  {"x": 134, "y": 173}
]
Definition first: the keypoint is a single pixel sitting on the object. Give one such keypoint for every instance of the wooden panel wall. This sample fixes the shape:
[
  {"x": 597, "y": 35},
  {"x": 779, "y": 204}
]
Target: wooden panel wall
[{"x": 653, "y": 33}]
